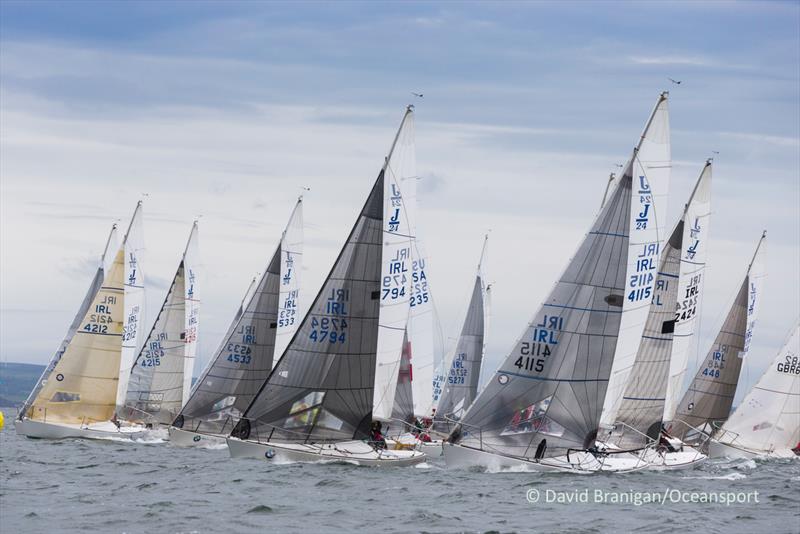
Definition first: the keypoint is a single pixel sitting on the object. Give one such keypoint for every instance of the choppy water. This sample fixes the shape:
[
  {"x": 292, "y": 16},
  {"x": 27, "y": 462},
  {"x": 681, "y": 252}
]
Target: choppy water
[{"x": 93, "y": 486}]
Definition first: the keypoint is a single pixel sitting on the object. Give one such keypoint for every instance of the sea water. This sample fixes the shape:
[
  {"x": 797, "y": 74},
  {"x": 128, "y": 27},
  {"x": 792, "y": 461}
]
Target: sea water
[{"x": 118, "y": 486}]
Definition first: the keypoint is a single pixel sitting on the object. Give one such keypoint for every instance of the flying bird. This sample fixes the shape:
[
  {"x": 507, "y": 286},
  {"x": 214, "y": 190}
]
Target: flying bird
[
  {"x": 676, "y": 82},
  {"x": 418, "y": 95}
]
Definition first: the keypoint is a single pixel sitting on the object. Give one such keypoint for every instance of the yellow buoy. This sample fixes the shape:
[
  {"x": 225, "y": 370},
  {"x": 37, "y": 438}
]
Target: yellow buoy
[{"x": 1, "y": 420}]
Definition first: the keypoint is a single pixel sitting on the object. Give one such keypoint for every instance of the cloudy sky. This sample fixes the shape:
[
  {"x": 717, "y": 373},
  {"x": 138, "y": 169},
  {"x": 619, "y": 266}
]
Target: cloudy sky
[{"x": 228, "y": 110}]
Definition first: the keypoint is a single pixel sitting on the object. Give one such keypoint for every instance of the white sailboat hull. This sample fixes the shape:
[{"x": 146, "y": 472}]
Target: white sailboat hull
[
  {"x": 356, "y": 452},
  {"x": 718, "y": 449},
  {"x": 107, "y": 430},
  {"x": 460, "y": 457},
  {"x": 187, "y": 438}
]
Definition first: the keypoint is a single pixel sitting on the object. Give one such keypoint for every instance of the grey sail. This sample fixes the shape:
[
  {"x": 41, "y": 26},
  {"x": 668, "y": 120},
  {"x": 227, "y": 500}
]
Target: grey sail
[
  {"x": 241, "y": 363},
  {"x": 461, "y": 384},
  {"x": 642, "y": 406},
  {"x": 707, "y": 403},
  {"x": 548, "y": 394},
  {"x": 322, "y": 387},
  {"x": 154, "y": 388},
  {"x": 403, "y": 409}
]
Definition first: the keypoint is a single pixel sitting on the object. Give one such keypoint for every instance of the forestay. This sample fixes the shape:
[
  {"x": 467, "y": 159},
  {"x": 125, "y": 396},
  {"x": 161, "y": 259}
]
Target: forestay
[
  {"x": 461, "y": 385},
  {"x": 690, "y": 289},
  {"x": 768, "y": 418},
  {"x": 161, "y": 376},
  {"x": 247, "y": 353},
  {"x": 323, "y": 386},
  {"x": 653, "y": 157},
  {"x": 707, "y": 402},
  {"x": 103, "y": 281}
]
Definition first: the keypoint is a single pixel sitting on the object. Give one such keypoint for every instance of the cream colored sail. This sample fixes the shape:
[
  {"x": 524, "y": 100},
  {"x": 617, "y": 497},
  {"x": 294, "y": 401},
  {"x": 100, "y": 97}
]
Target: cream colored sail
[
  {"x": 104, "y": 267},
  {"x": 82, "y": 386}
]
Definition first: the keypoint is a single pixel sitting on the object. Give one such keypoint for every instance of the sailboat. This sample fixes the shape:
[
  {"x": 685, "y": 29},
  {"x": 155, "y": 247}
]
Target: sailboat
[
  {"x": 266, "y": 319},
  {"x": 461, "y": 385},
  {"x": 541, "y": 410},
  {"x": 162, "y": 372},
  {"x": 340, "y": 369},
  {"x": 639, "y": 416},
  {"x": 707, "y": 403},
  {"x": 767, "y": 421},
  {"x": 79, "y": 392}
]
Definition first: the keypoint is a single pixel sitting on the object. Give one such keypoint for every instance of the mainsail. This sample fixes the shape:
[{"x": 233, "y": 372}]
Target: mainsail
[
  {"x": 247, "y": 353},
  {"x": 399, "y": 207},
  {"x": 161, "y": 376},
  {"x": 690, "y": 288},
  {"x": 34, "y": 402},
  {"x": 640, "y": 412},
  {"x": 134, "y": 304},
  {"x": 654, "y": 157},
  {"x": 324, "y": 385},
  {"x": 547, "y": 396},
  {"x": 707, "y": 403},
  {"x": 291, "y": 267},
  {"x": 461, "y": 384},
  {"x": 768, "y": 418}
]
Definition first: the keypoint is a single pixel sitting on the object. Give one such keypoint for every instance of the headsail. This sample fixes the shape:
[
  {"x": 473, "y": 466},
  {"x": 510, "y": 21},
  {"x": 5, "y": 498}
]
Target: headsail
[
  {"x": 548, "y": 393},
  {"x": 640, "y": 412},
  {"x": 247, "y": 352},
  {"x": 697, "y": 217},
  {"x": 162, "y": 372},
  {"x": 707, "y": 403},
  {"x": 461, "y": 384},
  {"x": 653, "y": 159},
  {"x": 104, "y": 267},
  {"x": 768, "y": 418},
  {"x": 323, "y": 386},
  {"x": 134, "y": 304},
  {"x": 403, "y": 408}
]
